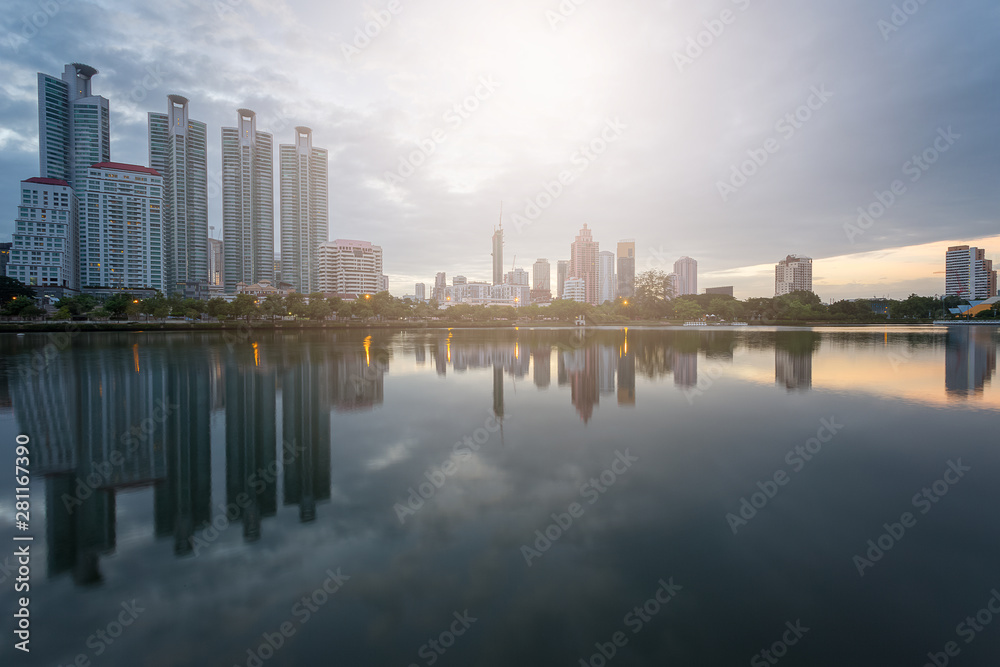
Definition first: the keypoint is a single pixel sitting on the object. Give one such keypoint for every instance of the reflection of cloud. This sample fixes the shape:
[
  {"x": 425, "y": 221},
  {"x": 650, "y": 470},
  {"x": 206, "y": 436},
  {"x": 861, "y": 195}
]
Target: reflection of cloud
[{"x": 397, "y": 452}]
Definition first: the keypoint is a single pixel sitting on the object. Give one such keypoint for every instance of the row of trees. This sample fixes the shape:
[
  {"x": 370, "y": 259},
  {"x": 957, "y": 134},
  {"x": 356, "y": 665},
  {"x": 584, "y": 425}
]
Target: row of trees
[{"x": 650, "y": 302}]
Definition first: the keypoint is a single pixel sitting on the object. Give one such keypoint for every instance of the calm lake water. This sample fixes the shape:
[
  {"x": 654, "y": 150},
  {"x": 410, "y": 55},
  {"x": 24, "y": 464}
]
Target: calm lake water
[{"x": 507, "y": 497}]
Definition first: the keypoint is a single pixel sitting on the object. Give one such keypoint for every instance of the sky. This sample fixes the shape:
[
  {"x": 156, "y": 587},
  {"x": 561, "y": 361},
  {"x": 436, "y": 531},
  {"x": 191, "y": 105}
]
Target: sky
[{"x": 735, "y": 132}]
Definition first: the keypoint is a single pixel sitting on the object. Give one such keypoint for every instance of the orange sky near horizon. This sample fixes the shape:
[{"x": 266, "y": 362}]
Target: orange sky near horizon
[{"x": 894, "y": 272}]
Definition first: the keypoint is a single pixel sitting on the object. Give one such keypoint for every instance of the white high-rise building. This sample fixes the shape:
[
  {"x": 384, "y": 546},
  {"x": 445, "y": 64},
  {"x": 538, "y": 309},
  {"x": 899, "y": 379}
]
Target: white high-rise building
[
  {"x": 606, "y": 282},
  {"x": 687, "y": 276},
  {"x": 575, "y": 289},
  {"x": 178, "y": 149},
  {"x": 46, "y": 234},
  {"x": 305, "y": 209},
  {"x": 350, "y": 268},
  {"x": 793, "y": 274},
  {"x": 420, "y": 292},
  {"x": 247, "y": 202},
  {"x": 969, "y": 274},
  {"x": 121, "y": 227},
  {"x": 74, "y": 125}
]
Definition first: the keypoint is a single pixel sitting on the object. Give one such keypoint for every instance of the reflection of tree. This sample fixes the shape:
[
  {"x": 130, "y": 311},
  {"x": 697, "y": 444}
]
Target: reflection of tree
[{"x": 797, "y": 342}]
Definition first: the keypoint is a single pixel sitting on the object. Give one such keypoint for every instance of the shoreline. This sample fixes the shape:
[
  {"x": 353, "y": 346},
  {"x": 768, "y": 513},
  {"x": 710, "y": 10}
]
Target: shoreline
[{"x": 154, "y": 327}]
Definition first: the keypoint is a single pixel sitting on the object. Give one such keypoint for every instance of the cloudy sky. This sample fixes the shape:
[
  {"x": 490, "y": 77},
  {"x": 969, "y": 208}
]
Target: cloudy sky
[{"x": 732, "y": 131}]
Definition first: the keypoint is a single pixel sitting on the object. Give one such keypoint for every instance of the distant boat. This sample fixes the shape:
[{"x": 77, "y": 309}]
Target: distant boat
[
  {"x": 580, "y": 321},
  {"x": 695, "y": 324}
]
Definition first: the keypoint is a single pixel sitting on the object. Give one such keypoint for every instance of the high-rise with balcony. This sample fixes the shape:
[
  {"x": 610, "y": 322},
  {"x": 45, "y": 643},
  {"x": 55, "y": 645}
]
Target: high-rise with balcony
[
  {"x": 626, "y": 268},
  {"x": 305, "y": 210},
  {"x": 793, "y": 274},
  {"x": 178, "y": 150},
  {"x": 969, "y": 274},
  {"x": 350, "y": 269},
  {"x": 46, "y": 233},
  {"x": 247, "y": 202},
  {"x": 121, "y": 227},
  {"x": 74, "y": 125},
  {"x": 687, "y": 276},
  {"x": 583, "y": 263}
]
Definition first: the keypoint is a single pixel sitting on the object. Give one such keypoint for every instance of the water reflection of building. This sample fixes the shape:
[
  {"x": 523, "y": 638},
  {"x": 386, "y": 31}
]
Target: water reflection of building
[
  {"x": 251, "y": 461},
  {"x": 134, "y": 420},
  {"x": 607, "y": 365},
  {"x": 582, "y": 374},
  {"x": 793, "y": 369},
  {"x": 305, "y": 422},
  {"x": 118, "y": 445},
  {"x": 182, "y": 501},
  {"x": 498, "y": 409},
  {"x": 685, "y": 369},
  {"x": 45, "y": 406},
  {"x": 970, "y": 359},
  {"x": 357, "y": 377},
  {"x": 793, "y": 355},
  {"x": 626, "y": 374},
  {"x": 541, "y": 361}
]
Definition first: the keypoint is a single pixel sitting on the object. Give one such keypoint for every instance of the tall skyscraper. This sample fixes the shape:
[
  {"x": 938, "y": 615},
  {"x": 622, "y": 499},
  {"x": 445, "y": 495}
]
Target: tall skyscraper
[
  {"x": 793, "y": 274},
  {"x": 74, "y": 125},
  {"x": 305, "y": 210},
  {"x": 247, "y": 202},
  {"x": 121, "y": 227},
  {"x": 606, "y": 276},
  {"x": 562, "y": 273},
  {"x": 420, "y": 292},
  {"x": 687, "y": 276},
  {"x": 626, "y": 268},
  {"x": 583, "y": 263},
  {"x": 349, "y": 268},
  {"x": 440, "y": 283},
  {"x": 178, "y": 149},
  {"x": 969, "y": 274},
  {"x": 214, "y": 262},
  {"x": 498, "y": 253},
  {"x": 541, "y": 275},
  {"x": 46, "y": 234}
]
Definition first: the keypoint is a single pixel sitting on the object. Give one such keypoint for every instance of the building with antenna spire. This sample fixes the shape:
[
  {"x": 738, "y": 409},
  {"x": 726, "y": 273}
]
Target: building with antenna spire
[{"x": 498, "y": 251}]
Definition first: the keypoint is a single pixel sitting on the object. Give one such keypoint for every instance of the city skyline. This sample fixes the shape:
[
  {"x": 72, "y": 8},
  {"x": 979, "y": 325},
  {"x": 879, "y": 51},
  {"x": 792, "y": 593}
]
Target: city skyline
[{"x": 800, "y": 200}]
